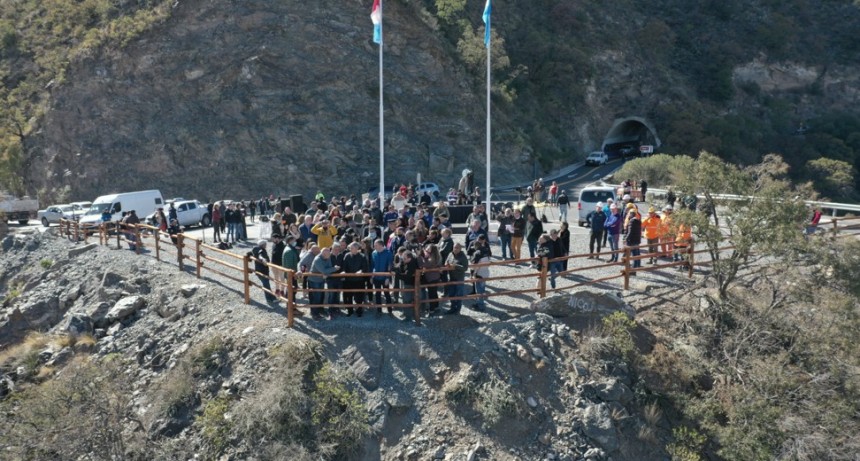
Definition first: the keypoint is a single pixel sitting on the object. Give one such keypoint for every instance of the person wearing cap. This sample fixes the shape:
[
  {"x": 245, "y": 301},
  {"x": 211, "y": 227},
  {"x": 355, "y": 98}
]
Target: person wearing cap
[
  {"x": 633, "y": 237},
  {"x": 652, "y": 227},
  {"x": 563, "y": 202},
  {"x": 612, "y": 226},
  {"x": 261, "y": 268},
  {"x": 325, "y": 233},
  {"x": 595, "y": 220}
]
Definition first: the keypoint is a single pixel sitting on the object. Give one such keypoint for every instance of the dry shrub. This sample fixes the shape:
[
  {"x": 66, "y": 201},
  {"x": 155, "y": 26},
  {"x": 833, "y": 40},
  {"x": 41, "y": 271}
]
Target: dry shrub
[{"x": 81, "y": 414}]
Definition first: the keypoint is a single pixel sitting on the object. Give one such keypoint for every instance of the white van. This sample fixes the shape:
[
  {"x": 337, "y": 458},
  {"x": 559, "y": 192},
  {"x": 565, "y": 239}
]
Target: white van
[
  {"x": 589, "y": 197},
  {"x": 143, "y": 203}
]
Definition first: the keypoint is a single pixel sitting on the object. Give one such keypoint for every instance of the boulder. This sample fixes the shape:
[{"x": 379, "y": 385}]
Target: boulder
[
  {"x": 365, "y": 361},
  {"x": 609, "y": 390},
  {"x": 82, "y": 249},
  {"x": 79, "y": 324},
  {"x": 124, "y": 308},
  {"x": 188, "y": 291},
  {"x": 111, "y": 279},
  {"x": 598, "y": 426},
  {"x": 583, "y": 303}
]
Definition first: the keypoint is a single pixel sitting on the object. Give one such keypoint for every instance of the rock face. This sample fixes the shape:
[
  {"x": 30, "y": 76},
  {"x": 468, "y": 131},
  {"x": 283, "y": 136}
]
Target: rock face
[
  {"x": 365, "y": 362},
  {"x": 590, "y": 304},
  {"x": 274, "y": 89}
]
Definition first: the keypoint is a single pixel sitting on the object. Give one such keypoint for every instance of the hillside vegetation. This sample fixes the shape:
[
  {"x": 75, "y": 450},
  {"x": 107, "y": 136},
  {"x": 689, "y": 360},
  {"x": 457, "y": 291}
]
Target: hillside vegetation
[{"x": 740, "y": 79}]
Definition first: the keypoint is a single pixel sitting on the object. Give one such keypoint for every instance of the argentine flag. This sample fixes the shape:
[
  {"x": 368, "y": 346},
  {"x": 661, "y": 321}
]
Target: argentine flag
[
  {"x": 487, "y": 10},
  {"x": 376, "y": 17}
]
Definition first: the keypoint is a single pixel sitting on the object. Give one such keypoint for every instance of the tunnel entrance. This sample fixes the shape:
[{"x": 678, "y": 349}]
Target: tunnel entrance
[{"x": 627, "y": 134}]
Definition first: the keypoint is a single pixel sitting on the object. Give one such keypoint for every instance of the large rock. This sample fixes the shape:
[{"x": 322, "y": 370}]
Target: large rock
[
  {"x": 124, "y": 308},
  {"x": 598, "y": 426},
  {"x": 582, "y": 304},
  {"x": 365, "y": 361},
  {"x": 79, "y": 324},
  {"x": 82, "y": 249},
  {"x": 111, "y": 279},
  {"x": 609, "y": 390}
]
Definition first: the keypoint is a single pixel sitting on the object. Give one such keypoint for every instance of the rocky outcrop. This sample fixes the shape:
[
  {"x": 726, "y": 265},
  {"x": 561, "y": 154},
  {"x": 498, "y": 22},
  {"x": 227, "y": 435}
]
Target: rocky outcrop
[{"x": 583, "y": 303}]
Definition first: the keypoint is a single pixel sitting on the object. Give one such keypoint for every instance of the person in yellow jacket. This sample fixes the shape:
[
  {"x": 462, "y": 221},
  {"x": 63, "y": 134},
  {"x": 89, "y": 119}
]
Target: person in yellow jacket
[
  {"x": 652, "y": 229},
  {"x": 667, "y": 233},
  {"x": 325, "y": 233}
]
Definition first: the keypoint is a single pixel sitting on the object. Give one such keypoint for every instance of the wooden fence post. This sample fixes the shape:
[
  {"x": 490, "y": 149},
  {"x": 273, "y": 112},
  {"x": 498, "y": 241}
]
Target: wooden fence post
[
  {"x": 138, "y": 242},
  {"x": 246, "y": 276},
  {"x": 416, "y": 300},
  {"x": 691, "y": 254},
  {"x": 626, "y": 268},
  {"x": 835, "y": 222},
  {"x": 77, "y": 232},
  {"x": 542, "y": 279},
  {"x": 86, "y": 234},
  {"x": 158, "y": 245},
  {"x": 198, "y": 254},
  {"x": 116, "y": 229},
  {"x": 290, "y": 293},
  {"x": 180, "y": 242}
]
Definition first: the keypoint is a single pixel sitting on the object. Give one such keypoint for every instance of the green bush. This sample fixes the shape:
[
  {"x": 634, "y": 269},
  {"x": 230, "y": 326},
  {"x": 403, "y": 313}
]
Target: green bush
[
  {"x": 215, "y": 426},
  {"x": 688, "y": 444},
  {"x": 619, "y": 327}
]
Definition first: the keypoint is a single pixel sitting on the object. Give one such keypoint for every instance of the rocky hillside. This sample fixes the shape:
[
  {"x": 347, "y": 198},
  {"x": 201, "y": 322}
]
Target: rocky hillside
[
  {"x": 194, "y": 371},
  {"x": 219, "y": 98}
]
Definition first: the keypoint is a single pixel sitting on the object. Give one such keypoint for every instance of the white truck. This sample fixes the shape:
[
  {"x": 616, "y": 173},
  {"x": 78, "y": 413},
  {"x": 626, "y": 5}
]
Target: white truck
[
  {"x": 142, "y": 202},
  {"x": 18, "y": 209}
]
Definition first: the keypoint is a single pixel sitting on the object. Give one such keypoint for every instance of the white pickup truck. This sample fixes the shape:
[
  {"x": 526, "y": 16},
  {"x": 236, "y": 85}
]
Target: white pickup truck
[
  {"x": 189, "y": 212},
  {"x": 15, "y": 209}
]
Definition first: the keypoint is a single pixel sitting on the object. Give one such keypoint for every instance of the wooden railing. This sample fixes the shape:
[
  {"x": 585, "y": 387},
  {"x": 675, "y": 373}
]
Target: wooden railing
[{"x": 188, "y": 251}]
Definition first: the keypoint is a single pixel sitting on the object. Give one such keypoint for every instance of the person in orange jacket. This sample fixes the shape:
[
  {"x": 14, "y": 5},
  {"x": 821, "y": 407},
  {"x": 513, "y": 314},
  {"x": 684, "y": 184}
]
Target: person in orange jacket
[
  {"x": 667, "y": 234},
  {"x": 652, "y": 228},
  {"x": 683, "y": 238}
]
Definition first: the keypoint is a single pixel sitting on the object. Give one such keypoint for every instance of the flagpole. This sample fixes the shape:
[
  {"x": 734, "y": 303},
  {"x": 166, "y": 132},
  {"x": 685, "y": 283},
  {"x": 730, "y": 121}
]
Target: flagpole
[
  {"x": 489, "y": 168},
  {"x": 381, "y": 120}
]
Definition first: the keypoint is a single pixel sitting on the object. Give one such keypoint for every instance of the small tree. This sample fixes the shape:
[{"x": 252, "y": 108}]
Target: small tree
[{"x": 755, "y": 211}]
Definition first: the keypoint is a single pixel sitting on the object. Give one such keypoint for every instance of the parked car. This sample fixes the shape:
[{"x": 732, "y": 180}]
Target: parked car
[
  {"x": 188, "y": 212},
  {"x": 597, "y": 158},
  {"x": 429, "y": 187},
  {"x": 588, "y": 198},
  {"x": 81, "y": 207},
  {"x": 53, "y": 214}
]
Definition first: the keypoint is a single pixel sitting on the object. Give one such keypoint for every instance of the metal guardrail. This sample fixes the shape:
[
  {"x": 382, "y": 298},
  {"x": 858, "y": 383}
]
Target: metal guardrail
[{"x": 833, "y": 206}]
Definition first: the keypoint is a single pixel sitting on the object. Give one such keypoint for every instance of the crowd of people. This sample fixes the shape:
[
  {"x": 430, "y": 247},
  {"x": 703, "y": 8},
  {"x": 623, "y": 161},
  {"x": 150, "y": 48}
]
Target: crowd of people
[{"x": 335, "y": 239}]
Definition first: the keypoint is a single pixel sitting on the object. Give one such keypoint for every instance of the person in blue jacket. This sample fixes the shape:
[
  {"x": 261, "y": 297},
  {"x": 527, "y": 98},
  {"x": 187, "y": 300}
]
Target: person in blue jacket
[{"x": 613, "y": 230}]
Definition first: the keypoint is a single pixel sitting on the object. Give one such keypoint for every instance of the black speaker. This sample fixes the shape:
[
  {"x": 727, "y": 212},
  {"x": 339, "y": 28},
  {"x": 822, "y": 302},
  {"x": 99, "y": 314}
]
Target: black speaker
[{"x": 297, "y": 204}]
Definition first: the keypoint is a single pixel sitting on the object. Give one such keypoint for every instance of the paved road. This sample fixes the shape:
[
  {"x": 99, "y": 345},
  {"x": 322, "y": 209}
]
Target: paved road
[{"x": 570, "y": 179}]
